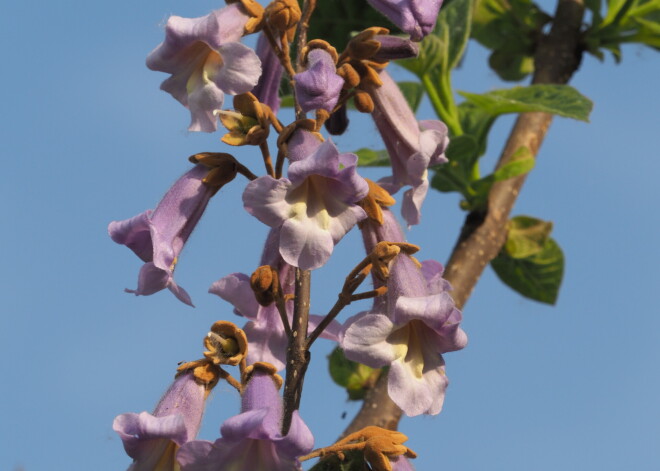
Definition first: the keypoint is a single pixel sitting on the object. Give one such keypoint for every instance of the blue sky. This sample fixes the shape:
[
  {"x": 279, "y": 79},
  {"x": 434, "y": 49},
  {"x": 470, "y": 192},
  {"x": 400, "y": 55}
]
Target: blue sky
[{"x": 88, "y": 138}]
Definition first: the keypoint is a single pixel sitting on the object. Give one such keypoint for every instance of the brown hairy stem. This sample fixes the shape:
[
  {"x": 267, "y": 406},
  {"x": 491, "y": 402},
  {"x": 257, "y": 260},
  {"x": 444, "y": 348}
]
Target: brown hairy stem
[
  {"x": 303, "y": 26},
  {"x": 557, "y": 58},
  {"x": 297, "y": 355}
]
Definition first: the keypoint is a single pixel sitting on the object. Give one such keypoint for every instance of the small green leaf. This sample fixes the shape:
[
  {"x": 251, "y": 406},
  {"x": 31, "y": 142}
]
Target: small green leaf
[
  {"x": 526, "y": 236},
  {"x": 456, "y": 18},
  {"x": 562, "y": 100},
  {"x": 355, "y": 377},
  {"x": 462, "y": 154},
  {"x": 413, "y": 92},
  {"x": 531, "y": 263},
  {"x": 372, "y": 158}
]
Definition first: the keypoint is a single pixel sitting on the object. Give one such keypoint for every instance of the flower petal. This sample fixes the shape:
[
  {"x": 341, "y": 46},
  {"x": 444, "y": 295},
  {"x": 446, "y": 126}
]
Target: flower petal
[
  {"x": 236, "y": 289},
  {"x": 240, "y": 70},
  {"x": 365, "y": 340}
]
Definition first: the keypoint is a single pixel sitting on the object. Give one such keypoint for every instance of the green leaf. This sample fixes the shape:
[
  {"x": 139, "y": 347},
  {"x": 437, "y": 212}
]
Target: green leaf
[
  {"x": 562, "y": 100},
  {"x": 462, "y": 154},
  {"x": 531, "y": 262},
  {"x": 526, "y": 236},
  {"x": 455, "y": 19},
  {"x": 413, "y": 92},
  {"x": 476, "y": 122},
  {"x": 372, "y": 158},
  {"x": 355, "y": 377},
  {"x": 512, "y": 67}
]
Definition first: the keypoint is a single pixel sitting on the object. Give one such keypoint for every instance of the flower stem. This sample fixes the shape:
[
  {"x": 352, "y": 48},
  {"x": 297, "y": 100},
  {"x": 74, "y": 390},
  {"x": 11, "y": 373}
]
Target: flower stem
[
  {"x": 297, "y": 355},
  {"x": 443, "y": 104}
]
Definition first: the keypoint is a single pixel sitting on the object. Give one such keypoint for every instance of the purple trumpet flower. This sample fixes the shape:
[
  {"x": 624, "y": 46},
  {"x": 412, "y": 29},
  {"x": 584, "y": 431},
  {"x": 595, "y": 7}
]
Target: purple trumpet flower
[
  {"x": 158, "y": 237},
  {"x": 415, "y": 17},
  {"x": 153, "y": 439},
  {"x": 252, "y": 440},
  {"x": 409, "y": 331},
  {"x": 413, "y": 146},
  {"x": 318, "y": 87},
  {"x": 314, "y": 209},
  {"x": 268, "y": 87},
  {"x": 206, "y": 61}
]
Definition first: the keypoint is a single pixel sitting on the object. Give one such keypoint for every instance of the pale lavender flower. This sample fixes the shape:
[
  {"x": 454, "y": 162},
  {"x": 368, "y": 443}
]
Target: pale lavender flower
[
  {"x": 268, "y": 87},
  {"x": 314, "y": 208},
  {"x": 318, "y": 87},
  {"x": 153, "y": 439},
  {"x": 252, "y": 440},
  {"x": 413, "y": 146},
  {"x": 415, "y": 17},
  {"x": 158, "y": 237},
  {"x": 206, "y": 61},
  {"x": 409, "y": 331}
]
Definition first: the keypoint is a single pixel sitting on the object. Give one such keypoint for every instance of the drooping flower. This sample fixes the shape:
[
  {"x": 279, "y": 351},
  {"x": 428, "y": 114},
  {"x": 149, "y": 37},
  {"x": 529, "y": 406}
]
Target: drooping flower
[
  {"x": 268, "y": 87},
  {"x": 252, "y": 440},
  {"x": 314, "y": 208},
  {"x": 158, "y": 237},
  {"x": 318, "y": 87},
  {"x": 206, "y": 61},
  {"x": 413, "y": 146},
  {"x": 152, "y": 440},
  {"x": 409, "y": 331},
  {"x": 415, "y": 17}
]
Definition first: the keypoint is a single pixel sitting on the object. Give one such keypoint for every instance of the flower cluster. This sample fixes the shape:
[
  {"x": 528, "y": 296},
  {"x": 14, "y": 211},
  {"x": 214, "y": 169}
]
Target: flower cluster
[{"x": 310, "y": 197}]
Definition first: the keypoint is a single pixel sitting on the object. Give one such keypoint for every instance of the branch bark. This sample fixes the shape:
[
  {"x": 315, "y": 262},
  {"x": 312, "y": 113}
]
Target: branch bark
[{"x": 557, "y": 58}]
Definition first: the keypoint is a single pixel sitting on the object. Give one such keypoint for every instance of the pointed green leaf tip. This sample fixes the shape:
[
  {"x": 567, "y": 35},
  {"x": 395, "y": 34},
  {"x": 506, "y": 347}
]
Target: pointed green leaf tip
[
  {"x": 531, "y": 262},
  {"x": 355, "y": 377},
  {"x": 562, "y": 100}
]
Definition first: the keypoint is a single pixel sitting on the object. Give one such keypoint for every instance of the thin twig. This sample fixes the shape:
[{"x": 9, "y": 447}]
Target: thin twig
[
  {"x": 280, "y": 303},
  {"x": 279, "y": 164},
  {"x": 303, "y": 26},
  {"x": 353, "y": 280},
  {"x": 268, "y": 162},
  {"x": 243, "y": 170},
  {"x": 297, "y": 355}
]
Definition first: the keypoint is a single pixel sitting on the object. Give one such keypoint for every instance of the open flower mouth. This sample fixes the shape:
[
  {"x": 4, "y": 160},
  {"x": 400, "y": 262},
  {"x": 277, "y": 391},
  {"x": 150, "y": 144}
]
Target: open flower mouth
[
  {"x": 313, "y": 199},
  {"x": 408, "y": 343}
]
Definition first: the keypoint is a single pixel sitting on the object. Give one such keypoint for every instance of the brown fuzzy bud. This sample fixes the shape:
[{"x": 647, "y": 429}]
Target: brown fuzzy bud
[
  {"x": 225, "y": 344},
  {"x": 265, "y": 284},
  {"x": 283, "y": 16},
  {"x": 363, "y": 102}
]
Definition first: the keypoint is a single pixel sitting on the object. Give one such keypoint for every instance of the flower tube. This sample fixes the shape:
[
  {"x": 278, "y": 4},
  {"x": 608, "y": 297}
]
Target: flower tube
[
  {"x": 152, "y": 440},
  {"x": 252, "y": 440}
]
